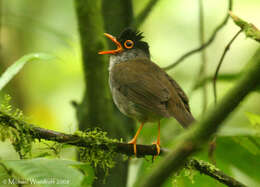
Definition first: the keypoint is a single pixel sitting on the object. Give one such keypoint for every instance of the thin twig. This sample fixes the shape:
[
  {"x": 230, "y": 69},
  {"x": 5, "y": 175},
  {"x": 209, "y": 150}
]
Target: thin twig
[
  {"x": 211, "y": 39},
  {"x": 203, "y": 65},
  {"x": 220, "y": 63},
  {"x": 212, "y": 148},
  {"x": 123, "y": 148},
  {"x": 138, "y": 21}
]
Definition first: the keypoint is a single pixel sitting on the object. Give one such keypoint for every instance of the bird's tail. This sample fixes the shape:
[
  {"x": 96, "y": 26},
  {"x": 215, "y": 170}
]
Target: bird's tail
[{"x": 187, "y": 120}]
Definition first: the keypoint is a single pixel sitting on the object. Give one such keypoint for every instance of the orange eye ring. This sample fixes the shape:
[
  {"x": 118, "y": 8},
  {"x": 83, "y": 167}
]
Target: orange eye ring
[{"x": 129, "y": 44}]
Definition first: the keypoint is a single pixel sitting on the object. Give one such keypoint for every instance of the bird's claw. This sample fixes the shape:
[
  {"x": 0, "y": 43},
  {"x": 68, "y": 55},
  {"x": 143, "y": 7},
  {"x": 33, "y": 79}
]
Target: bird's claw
[
  {"x": 158, "y": 149},
  {"x": 134, "y": 144}
]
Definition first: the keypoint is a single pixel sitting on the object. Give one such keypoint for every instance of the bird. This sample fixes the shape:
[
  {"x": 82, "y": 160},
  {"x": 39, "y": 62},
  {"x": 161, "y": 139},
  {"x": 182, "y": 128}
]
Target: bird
[{"x": 140, "y": 88}]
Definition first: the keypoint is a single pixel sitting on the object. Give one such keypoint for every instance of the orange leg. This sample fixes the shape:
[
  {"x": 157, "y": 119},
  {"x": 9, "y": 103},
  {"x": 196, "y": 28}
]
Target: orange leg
[
  {"x": 158, "y": 140},
  {"x": 133, "y": 141}
]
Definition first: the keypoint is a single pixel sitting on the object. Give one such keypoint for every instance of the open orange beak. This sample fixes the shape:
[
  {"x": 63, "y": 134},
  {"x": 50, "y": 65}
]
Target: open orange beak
[{"x": 117, "y": 50}]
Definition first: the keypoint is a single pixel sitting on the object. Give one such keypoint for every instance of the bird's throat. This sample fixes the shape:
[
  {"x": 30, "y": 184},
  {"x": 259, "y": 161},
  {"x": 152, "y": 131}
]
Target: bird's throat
[{"x": 126, "y": 56}]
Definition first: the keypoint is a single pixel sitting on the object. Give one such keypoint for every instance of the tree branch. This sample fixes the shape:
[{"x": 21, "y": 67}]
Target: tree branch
[
  {"x": 203, "y": 46},
  {"x": 201, "y": 132},
  {"x": 123, "y": 148},
  {"x": 220, "y": 63},
  {"x": 212, "y": 171},
  {"x": 76, "y": 140},
  {"x": 95, "y": 106}
]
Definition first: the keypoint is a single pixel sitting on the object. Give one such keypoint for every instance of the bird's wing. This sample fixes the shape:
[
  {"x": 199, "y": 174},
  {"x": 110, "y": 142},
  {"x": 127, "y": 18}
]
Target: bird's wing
[
  {"x": 180, "y": 92},
  {"x": 137, "y": 80}
]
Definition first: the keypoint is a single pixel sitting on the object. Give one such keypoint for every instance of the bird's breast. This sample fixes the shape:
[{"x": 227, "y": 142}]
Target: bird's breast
[{"x": 127, "y": 107}]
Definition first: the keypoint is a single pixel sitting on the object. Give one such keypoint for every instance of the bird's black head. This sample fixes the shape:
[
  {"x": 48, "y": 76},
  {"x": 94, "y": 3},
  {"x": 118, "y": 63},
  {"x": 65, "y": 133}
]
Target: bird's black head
[
  {"x": 131, "y": 39},
  {"x": 128, "y": 39}
]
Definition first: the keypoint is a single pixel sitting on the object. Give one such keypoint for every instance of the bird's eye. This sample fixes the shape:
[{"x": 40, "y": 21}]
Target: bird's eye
[{"x": 129, "y": 44}]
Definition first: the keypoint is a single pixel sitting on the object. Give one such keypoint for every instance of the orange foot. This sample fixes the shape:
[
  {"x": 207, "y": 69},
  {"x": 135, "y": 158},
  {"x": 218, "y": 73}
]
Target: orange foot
[
  {"x": 133, "y": 141},
  {"x": 157, "y": 147}
]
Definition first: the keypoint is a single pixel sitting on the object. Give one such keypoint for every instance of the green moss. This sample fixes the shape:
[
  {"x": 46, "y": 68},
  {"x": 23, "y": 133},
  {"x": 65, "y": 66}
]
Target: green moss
[
  {"x": 20, "y": 135},
  {"x": 93, "y": 154},
  {"x": 50, "y": 150},
  {"x": 190, "y": 173},
  {"x": 205, "y": 167},
  {"x": 210, "y": 167}
]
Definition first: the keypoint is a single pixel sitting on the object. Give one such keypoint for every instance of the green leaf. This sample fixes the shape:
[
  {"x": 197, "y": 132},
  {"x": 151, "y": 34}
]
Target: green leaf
[
  {"x": 3, "y": 175},
  {"x": 88, "y": 172},
  {"x": 50, "y": 172},
  {"x": 231, "y": 153},
  {"x": 18, "y": 65},
  {"x": 254, "y": 120},
  {"x": 250, "y": 143},
  {"x": 249, "y": 29}
]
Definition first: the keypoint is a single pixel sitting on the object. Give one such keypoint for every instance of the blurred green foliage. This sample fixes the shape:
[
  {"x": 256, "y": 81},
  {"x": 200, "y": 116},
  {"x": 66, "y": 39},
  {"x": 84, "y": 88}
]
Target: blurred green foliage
[{"x": 44, "y": 91}]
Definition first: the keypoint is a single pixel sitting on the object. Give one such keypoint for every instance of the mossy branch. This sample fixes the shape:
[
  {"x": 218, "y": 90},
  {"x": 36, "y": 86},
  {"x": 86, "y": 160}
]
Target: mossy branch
[
  {"x": 249, "y": 29},
  {"x": 210, "y": 170},
  {"x": 104, "y": 143},
  {"x": 76, "y": 139}
]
